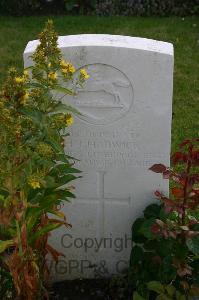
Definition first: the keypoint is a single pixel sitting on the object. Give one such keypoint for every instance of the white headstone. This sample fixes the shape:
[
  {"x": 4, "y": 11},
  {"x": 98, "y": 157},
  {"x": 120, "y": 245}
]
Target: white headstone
[{"x": 124, "y": 129}]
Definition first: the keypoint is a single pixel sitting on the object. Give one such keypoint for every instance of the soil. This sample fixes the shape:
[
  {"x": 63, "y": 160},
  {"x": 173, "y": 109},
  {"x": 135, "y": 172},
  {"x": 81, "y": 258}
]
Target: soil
[{"x": 89, "y": 289}]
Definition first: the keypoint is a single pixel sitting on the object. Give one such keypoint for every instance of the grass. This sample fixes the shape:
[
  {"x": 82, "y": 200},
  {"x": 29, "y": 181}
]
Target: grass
[{"x": 183, "y": 33}]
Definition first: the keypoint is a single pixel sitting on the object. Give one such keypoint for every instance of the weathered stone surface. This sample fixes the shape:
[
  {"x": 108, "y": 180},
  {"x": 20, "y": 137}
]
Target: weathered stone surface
[{"x": 125, "y": 127}]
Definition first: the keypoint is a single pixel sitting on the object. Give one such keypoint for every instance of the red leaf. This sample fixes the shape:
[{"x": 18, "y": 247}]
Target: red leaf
[
  {"x": 195, "y": 157},
  {"x": 168, "y": 202},
  {"x": 55, "y": 254},
  {"x": 193, "y": 179},
  {"x": 182, "y": 178},
  {"x": 185, "y": 158},
  {"x": 177, "y": 157},
  {"x": 168, "y": 209},
  {"x": 158, "y": 194},
  {"x": 167, "y": 174},
  {"x": 158, "y": 168},
  {"x": 165, "y": 233},
  {"x": 179, "y": 209},
  {"x": 177, "y": 192},
  {"x": 193, "y": 204},
  {"x": 155, "y": 228},
  {"x": 184, "y": 270},
  {"x": 184, "y": 143}
]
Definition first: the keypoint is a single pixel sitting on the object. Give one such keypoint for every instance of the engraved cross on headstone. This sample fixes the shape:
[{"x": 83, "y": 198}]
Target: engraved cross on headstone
[{"x": 101, "y": 199}]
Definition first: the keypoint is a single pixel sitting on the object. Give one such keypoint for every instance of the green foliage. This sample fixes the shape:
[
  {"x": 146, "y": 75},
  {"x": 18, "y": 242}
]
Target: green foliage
[
  {"x": 147, "y": 7},
  {"x": 6, "y": 284},
  {"x": 164, "y": 261},
  {"x": 15, "y": 7},
  {"x": 101, "y": 7},
  {"x": 35, "y": 173},
  {"x": 136, "y": 296},
  {"x": 80, "y": 6},
  {"x": 166, "y": 292}
]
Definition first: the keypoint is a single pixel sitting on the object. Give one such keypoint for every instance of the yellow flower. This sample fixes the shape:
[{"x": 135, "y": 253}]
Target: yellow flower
[
  {"x": 71, "y": 68},
  {"x": 84, "y": 74},
  {"x": 24, "y": 98},
  {"x": 26, "y": 73},
  {"x": 49, "y": 65},
  {"x": 34, "y": 183},
  {"x": 65, "y": 71},
  {"x": 19, "y": 79},
  {"x": 18, "y": 129},
  {"x": 63, "y": 63},
  {"x": 44, "y": 149},
  {"x": 67, "y": 67},
  {"x": 69, "y": 119},
  {"x": 52, "y": 76}
]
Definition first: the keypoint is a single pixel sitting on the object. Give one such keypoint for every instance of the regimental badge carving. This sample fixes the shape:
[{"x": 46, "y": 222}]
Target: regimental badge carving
[{"x": 106, "y": 97}]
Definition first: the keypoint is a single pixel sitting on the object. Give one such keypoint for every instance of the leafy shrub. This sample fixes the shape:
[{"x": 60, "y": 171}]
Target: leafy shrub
[
  {"x": 147, "y": 7},
  {"x": 101, "y": 7},
  {"x": 28, "y": 7},
  {"x": 15, "y": 7},
  {"x": 80, "y": 6},
  {"x": 165, "y": 255},
  {"x": 34, "y": 170}
]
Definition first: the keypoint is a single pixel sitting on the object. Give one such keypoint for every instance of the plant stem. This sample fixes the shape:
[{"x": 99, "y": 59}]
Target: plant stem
[
  {"x": 19, "y": 239},
  {"x": 186, "y": 184}
]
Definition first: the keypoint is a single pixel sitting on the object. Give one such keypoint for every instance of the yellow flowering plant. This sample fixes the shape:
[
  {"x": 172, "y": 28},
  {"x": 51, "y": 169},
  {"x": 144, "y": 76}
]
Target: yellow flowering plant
[{"x": 34, "y": 170}]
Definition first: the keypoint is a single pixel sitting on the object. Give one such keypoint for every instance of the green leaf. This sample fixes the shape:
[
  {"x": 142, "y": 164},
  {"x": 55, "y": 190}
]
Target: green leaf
[
  {"x": 55, "y": 145},
  {"x": 181, "y": 251},
  {"x": 136, "y": 255},
  {"x": 5, "y": 244},
  {"x": 6, "y": 283},
  {"x": 67, "y": 178},
  {"x": 137, "y": 237},
  {"x": 195, "y": 227},
  {"x": 193, "y": 244},
  {"x": 35, "y": 85},
  {"x": 155, "y": 286},
  {"x": 65, "y": 158},
  {"x": 4, "y": 193},
  {"x": 49, "y": 182},
  {"x": 49, "y": 227},
  {"x": 35, "y": 115},
  {"x": 170, "y": 290},
  {"x": 136, "y": 296},
  {"x": 65, "y": 168},
  {"x": 63, "y": 194},
  {"x": 146, "y": 228},
  {"x": 168, "y": 271},
  {"x": 63, "y": 108},
  {"x": 63, "y": 90},
  {"x": 163, "y": 297},
  {"x": 152, "y": 211},
  {"x": 179, "y": 296}
]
